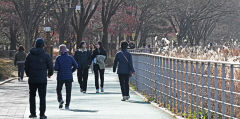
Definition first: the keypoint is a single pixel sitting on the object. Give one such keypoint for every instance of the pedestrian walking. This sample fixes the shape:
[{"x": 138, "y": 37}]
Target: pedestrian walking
[
  {"x": 19, "y": 61},
  {"x": 65, "y": 65},
  {"x": 38, "y": 67},
  {"x": 83, "y": 58},
  {"x": 123, "y": 61},
  {"x": 99, "y": 56}
]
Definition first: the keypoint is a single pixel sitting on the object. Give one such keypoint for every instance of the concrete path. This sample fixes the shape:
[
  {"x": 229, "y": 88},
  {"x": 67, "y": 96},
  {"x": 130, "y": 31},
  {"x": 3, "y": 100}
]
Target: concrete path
[{"x": 107, "y": 105}]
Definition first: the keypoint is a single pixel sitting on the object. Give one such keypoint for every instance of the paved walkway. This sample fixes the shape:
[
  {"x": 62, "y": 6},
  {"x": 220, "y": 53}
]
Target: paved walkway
[{"x": 85, "y": 106}]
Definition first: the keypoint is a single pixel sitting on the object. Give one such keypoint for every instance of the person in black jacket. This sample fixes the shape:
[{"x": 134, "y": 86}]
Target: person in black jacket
[
  {"x": 38, "y": 66},
  {"x": 97, "y": 52},
  {"x": 83, "y": 58},
  {"x": 123, "y": 60}
]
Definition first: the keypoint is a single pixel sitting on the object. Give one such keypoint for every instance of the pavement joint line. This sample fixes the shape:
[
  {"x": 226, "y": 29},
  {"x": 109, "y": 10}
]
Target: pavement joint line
[
  {"x": 156, "y": 105},
  {"x": 7, "y": 80}
]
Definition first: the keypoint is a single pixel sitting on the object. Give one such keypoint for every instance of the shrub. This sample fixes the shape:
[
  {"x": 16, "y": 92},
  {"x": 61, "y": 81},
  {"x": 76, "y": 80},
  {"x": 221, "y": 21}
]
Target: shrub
[{"x": 6, "y": 68}]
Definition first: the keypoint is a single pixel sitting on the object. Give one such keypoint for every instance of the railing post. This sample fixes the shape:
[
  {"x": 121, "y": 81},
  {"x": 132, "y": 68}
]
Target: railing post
[
  {"x": 170, "y": 75},
  {"x": 161, "y": 79},
  {"x": 187, "y": 84},
  {"x": 155, "y": 85},
  {"x": 182, "y": 85},
  {"x": 178, "y": 86},
  {"x": 223, "y": 91},
  {"x": 203, "y": 89},
  {"x": 192, "y": 100},
  {"x": 164, "y": 81},
  {"x": 167, "y": 80},
  {"x": 216, "y": 91},
  {"x": 209, "y": 90},
  {"x": 231, "y": 90},
  {"x": 174, "y": 83},
  {"x": 197, "y": 89}
]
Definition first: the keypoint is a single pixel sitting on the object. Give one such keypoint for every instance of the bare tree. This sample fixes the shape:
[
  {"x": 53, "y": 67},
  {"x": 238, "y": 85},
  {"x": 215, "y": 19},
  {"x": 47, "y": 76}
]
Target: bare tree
[
  {"x": 82, "y": 17},
  {"x": 63, "y": 13},
  {"x": 194, "y": 20},
  {"x": 31, "y": 13},
  {"x": 109, "y": 8}
]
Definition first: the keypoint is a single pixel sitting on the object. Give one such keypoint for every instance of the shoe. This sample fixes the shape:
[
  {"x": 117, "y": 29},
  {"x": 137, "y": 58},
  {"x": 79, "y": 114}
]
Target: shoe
[
  {"x": 81, "y": 90},
  {"x": 123, "y": 99},
  {"x": 127, "y": 97},
  {"x": 61, "y": 104},
  {"x": 66, "y": 107},
  {"x": 19, "y": 79},
  {"x": 43, "y": 117},
  {"x": 84, "y": 91},
  {"x": 97, "y": 91},
  {"x": 102, "y": 90},
  {"x": 32, "y": 116}
]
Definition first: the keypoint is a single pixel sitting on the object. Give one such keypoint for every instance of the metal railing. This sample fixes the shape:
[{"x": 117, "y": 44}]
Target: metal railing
[{"x": 193, "y": 88}]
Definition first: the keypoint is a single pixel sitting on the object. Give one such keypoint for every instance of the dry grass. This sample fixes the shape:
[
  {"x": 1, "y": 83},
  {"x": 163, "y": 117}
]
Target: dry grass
[{"x": 6, "y": 68}]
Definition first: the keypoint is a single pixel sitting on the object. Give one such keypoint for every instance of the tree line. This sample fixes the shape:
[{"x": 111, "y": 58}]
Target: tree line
[{"x": 191, "y": 22}]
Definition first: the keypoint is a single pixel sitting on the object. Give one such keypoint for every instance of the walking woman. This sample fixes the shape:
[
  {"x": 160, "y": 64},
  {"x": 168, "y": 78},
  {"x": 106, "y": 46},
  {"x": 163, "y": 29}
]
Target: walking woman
[
  {"x": 123, "y": 60},
  {"x": 83, "y": 58},
  {"x": 99, "y": 56},
  {"x": 19, "y": 61},
  {"x": 65, "y": 65}
]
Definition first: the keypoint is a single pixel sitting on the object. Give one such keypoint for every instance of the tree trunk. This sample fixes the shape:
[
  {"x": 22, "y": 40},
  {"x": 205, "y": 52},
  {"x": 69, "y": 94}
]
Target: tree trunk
[
  {"x": 105, "y": 38},
  {"x": 28, "y": 38},
  {"x": 79, "y": 38},
  {"x": 13, "y": 38},
  {"x": 62, "y": 36}
]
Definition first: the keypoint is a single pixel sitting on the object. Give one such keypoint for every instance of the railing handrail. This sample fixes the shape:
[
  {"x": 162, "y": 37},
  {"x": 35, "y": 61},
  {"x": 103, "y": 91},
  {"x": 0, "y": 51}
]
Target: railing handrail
[{"x": 185, "y": 59}]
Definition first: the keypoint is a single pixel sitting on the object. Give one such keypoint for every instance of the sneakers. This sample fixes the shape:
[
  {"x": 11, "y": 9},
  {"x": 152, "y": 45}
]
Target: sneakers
[
  {"x": 61, "y": 104},
  {"x": 43, "y": 117},
  {"x": 97, "y": 91},
  {"x": 84, "y": 91},
  {"x": 32, "y": 116},
  {"x": 102, "y": 90},
  {"x": 67, "y": 107},
  {"x": 81, "y": 90},
  {"x": 125, "y": 98}
]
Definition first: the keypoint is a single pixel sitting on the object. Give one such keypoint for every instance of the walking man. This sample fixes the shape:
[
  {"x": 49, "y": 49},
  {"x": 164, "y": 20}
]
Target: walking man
[
  {"x": 83, "y": 58},
  {"x": 19, "y": 61},
  {"x": 38, "y": 67},
  {"x": 65, "y": 65},
  {"x": 123, "y": 60}
]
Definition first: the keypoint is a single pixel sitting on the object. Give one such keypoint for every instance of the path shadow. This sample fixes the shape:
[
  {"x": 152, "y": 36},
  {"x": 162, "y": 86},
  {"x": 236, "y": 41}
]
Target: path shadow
[
  {"x": 105, "y": 93},
  {"x": 137, "y": 102},
  {"x": 79, "y": 110}
]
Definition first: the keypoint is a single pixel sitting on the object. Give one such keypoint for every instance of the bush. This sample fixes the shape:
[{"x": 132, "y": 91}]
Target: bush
[{"x": 6, "y": 68}]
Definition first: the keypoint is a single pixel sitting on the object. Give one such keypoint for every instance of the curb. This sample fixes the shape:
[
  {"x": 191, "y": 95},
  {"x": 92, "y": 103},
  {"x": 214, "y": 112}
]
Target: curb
[
  {"x": 8, "y": 80},
  {"x": 156, "y": 105}
]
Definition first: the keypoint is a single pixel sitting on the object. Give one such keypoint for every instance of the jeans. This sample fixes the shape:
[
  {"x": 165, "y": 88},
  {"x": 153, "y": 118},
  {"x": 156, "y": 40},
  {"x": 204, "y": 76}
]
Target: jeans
[
  {"x": 83, "y": 78},
  {"x": 68, "y": 85},
  {"x": 124, "y": 83},
  {"x": 21, "y": 70},
  {"x": 42, "y": 95},
  {"x": 98, "y": 71}
]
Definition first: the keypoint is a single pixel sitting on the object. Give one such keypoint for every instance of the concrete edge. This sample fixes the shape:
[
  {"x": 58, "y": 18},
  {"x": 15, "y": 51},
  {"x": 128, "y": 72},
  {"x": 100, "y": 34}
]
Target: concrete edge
[
  {"x": 8, "y": 80},
  {"x": 156, "y": 105}
]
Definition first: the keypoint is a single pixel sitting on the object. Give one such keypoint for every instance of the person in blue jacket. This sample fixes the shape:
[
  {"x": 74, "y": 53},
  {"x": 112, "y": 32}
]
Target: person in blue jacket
[
  {"x": 65, "y": 65},
  {"x": 123, "y": 60}
]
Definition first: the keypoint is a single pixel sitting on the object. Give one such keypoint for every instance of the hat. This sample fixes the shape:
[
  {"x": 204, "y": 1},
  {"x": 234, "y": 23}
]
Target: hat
[
  {"x": 63, "y": 49},
  {"x": 39, "y": 43}
]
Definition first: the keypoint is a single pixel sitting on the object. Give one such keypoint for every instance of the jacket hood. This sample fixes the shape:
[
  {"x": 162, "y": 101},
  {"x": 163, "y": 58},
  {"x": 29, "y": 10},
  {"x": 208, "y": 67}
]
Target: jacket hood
[{"x": 36, "y": 51}]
